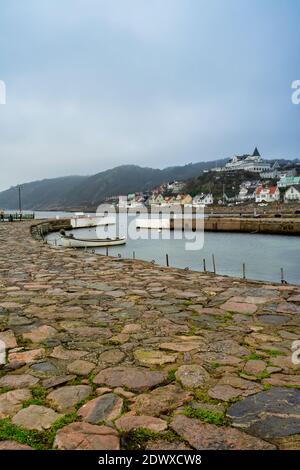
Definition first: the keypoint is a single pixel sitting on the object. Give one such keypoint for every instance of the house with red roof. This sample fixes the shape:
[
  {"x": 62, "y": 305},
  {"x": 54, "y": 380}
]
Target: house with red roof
[{"x": 267, "y": 194}]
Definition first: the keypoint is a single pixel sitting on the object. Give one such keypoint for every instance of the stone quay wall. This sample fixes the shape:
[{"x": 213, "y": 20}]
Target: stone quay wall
[
  {"x": 214, "y": 224},
  {"x": 95, "y": 347},
  {"x": 247, "y": 225},
  {"x": 41, "y": 229}
]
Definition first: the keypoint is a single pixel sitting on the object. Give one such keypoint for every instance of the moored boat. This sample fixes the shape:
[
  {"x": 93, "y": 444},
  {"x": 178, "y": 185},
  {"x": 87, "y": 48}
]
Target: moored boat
[{"x": 70, "y": 241}]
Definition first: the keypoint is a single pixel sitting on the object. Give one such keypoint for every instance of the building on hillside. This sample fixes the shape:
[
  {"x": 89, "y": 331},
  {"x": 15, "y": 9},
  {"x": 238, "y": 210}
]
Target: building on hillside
[
  {"x": 186, "y": 199},
  {"x": 286, "y": 181},
  {"x": 247, "y": 162},
  {"x": 201, "y": 199},
  {"x": 277, "y": 173},
  {"x": 122, "y": 203},
  {"x": 175, "y": 186},
  {"x": 246, "y": 193},
  {"x": 292, "y": 194},
  {"x": 183, "y": 199},
  {"x": 272, "y": 173},
  {"x": 156, "y": 199},
  {"x": 267, "y": 194}
]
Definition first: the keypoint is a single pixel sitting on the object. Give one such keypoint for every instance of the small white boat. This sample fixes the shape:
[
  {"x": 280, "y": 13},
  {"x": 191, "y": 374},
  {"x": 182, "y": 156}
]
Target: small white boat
[{"x": 70, "y": 241}]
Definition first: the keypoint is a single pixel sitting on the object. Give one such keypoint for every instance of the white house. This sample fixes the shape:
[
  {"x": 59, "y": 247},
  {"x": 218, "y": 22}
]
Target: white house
[
  {"x": 270, "y": 194},
  {"x": 245, "y": 194},
  {"x": 292, "y": 194},
  {"x": 247, "y": 162},
  {"x": 205, "y": 199},
  {"x": 175, "y": 186}
]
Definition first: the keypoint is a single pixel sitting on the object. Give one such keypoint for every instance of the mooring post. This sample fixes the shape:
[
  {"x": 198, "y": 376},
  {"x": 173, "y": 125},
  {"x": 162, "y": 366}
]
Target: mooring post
[
  {"x": 204, "y": 265},
  {"x": 214, "y": 264},
  {"x": 167, "y": 259},
  {"x": 244, "y": 270}
]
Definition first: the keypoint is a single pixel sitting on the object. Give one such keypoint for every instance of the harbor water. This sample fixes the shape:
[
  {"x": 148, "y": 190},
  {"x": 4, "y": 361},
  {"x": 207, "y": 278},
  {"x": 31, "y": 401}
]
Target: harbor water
[{"x": 263, "y": 255}]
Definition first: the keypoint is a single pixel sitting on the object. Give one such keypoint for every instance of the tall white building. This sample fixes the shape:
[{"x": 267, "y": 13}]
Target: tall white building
[{"x": 247, "y": 162}]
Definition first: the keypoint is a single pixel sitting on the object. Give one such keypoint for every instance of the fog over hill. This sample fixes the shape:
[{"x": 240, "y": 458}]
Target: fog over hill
[{"x": 86, "y": 192}]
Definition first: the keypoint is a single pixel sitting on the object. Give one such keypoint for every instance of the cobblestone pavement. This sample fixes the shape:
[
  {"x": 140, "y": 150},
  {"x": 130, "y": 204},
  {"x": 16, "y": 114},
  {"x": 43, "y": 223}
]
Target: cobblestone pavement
[{"x": 107, "y": 353}]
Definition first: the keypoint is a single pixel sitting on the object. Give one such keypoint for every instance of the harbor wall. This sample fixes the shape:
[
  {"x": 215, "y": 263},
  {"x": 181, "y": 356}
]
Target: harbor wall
[
  {"x": 39, "y": 230},
  {"x": 236, "y": 224},
  {"x": 212, "y": 224},
  {"x": 89, "y": 221}
]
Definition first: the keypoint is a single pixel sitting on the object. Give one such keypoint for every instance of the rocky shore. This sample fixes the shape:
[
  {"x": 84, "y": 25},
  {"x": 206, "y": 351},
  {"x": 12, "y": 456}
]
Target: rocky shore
[{"x": 106, "y": 353}]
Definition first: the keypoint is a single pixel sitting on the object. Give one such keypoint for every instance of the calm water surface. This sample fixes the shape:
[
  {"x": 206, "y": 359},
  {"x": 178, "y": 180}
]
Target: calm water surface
[{"x": 264, "y": 255}]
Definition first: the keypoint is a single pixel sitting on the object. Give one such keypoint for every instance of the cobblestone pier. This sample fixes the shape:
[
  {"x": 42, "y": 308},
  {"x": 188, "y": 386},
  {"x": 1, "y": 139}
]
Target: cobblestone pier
[{"x": 106, "y": 353}]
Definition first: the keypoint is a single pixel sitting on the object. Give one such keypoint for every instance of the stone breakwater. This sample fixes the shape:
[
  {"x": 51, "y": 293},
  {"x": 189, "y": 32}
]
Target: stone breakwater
[
  {"x": 284, "y": 226},
  {"x": 107, "y": 353}
]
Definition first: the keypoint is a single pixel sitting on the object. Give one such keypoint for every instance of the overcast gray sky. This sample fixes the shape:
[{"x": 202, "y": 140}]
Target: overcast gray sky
[{"x": 92, "y": 84}]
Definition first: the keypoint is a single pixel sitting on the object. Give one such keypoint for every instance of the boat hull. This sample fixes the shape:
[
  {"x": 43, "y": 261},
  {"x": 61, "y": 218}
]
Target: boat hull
[{"x": 84, "y": 243}]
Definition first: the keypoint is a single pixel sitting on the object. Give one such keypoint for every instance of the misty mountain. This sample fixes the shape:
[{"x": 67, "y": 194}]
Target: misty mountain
[{"x": 86, "y": 192}]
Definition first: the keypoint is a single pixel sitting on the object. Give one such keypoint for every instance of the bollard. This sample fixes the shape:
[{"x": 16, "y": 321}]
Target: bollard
[
  {"x": 133, "y": 255},
  {"x": 244, "y": 270},
  {"x": 214, "y": 264},
  {"x": 283, "y": 281},
  {"x": 167, "y": 259},
  {"x": 204, "y": 265},
  {"x": 107, "y": 251}
]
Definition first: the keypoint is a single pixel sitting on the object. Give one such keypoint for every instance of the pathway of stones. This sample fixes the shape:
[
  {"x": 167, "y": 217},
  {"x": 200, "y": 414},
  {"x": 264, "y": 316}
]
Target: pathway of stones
[{"x": 98, "y": 348}]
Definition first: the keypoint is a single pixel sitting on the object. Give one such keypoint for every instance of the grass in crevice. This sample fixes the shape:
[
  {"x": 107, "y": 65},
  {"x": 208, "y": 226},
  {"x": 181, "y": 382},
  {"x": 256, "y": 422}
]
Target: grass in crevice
[
  {"x": 39, "y": 395},
  {"x": 266, "y": 386},
  {"x": 138, "y": 438},
  {"x": 273, "y": 352},
  {"x": 203, "y": 396},
  {"x": 171, "y": 375},
  {"x": 263, "y": 375},
  {"x": 254, "y": 357},
  {"x": 5, "y": 390},
  {"x": 207, "y": 416},
  {"x": 24, "y": 342},
  {"x": 39, "y": 440}
]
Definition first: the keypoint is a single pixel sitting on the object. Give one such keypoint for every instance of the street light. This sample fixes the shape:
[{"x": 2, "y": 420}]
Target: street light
[{"x": 20, "y": 201}]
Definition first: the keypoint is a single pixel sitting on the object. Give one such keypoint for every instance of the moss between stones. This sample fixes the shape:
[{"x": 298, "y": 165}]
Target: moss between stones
[
  {"x": 273, "y": 352},
  {"x": 90, "y": 378},
  {"x": 5, "y": 389},
  {"x": 125, "y": 406},
  {"x": 266, "y": 386},
  {"x": 171, "y": 374},
  {"x": 36, "y": 439},
  {"x": 203, "y": 396},
  {"x": 137, "y": 438},
  {"x": 214, "y": 365},
  {"x": 76, "y": 381},
  {"x": 263, "y": 375},
  {"x": 253, "y": 357},
  {"x": 193, "y": 331},
  {"x": 207, "y": 416},
  {"x": 24, "y": 342}
]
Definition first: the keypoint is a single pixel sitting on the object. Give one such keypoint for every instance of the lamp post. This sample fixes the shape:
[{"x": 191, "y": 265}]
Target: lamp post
[{"x": 20, "y": 202}]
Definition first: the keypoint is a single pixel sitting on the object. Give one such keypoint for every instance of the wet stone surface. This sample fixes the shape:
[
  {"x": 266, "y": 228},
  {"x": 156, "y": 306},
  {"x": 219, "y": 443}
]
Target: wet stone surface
[
  {"x": 271, "y": 414},
  {"x": 119, "y": 344}
]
